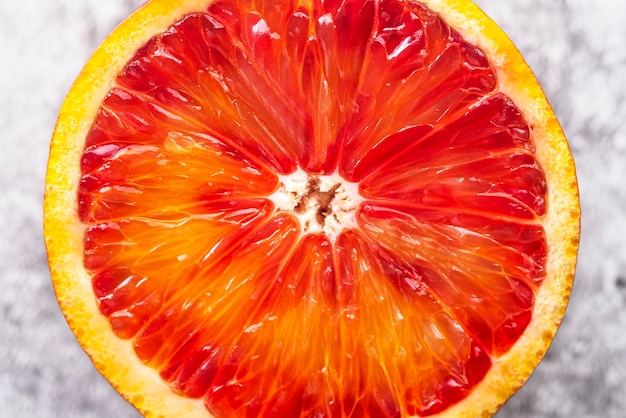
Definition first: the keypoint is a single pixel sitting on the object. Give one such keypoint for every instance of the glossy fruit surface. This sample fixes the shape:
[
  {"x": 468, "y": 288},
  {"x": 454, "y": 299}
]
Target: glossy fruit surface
[{"x": 311, "y": 209}]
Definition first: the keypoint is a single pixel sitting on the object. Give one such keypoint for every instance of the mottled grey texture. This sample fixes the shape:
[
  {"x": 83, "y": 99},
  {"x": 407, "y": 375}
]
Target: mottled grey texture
[{"x": 576, "y": 48}]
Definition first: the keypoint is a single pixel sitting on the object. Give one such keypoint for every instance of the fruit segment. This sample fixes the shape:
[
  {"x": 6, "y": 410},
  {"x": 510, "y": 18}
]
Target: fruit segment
[
  {"x": 487, "y": 285},
  {"x": 482, "y": 163},
  {"x": 230, "y": 294}
]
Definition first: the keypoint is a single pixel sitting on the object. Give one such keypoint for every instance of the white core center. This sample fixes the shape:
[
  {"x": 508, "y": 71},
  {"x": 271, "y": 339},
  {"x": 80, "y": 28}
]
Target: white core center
[{"x": 323, "y": 204}]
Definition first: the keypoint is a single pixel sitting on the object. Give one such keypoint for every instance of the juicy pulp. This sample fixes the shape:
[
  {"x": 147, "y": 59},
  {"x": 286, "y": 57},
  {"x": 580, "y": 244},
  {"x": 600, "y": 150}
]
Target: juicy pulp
[{"x": 225, "y": 294}]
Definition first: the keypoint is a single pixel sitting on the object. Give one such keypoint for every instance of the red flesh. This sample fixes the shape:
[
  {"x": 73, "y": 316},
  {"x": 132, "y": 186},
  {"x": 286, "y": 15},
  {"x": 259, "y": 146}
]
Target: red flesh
[{"x": 221, "y": 294}]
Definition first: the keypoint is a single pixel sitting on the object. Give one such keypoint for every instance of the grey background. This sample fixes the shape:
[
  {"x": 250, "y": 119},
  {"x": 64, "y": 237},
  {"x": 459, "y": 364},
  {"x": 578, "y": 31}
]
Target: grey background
[{"x": 577, "y": 49}]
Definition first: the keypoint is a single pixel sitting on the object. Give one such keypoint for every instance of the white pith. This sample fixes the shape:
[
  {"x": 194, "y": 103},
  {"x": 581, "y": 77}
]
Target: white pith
[{"x": 296, "y": 197}]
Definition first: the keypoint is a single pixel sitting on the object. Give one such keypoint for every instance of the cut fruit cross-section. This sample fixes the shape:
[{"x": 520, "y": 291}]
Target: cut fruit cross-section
[{"x": 308, "y": 208}]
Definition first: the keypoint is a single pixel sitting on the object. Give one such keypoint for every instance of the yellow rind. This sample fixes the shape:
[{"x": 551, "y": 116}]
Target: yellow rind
[{"x": 141, "y": 385}]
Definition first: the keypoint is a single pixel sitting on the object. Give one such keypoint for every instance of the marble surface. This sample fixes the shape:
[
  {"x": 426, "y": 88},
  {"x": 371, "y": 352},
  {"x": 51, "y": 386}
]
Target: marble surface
[{"x": 576, "y": 48}]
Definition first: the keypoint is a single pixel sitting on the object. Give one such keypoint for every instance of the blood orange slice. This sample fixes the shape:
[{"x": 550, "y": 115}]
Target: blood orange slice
[{"x": 357, "y": 208}]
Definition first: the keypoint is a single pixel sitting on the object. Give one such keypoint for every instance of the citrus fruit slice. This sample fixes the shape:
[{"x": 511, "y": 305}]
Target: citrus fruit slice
[{"x": 307, "y": 208}]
